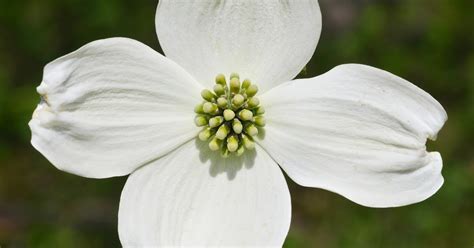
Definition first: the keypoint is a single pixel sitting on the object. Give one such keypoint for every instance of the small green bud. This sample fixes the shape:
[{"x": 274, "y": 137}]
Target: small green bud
[
  {"x": 222, "y": 132},
  {"x": 219, "y": 90},
  {"x": 252, "y": 90},
  {"x": 238, "y": 100},
  {"x": 241, "y": 150},
  {"x": 205, "y": 134},
  {"x": 253, "y": 102},
  {"x": 215, "y": 144},
  {"x": 260, "y": 111},
  {"x": 216, "y": 121},
  {"x": 220, "y": 79},
  {"x": 248, "y": 143},
  {"x": 251, "y": 130},
  {"x": 232, "y": 144},
  {"x": 198, "y": 109},
  {"x": 245, "y": 115},
  {"x": 209, "y": 108},
  {"x": 222, "y": 102},
  {"x": 208, "y": 95},
  {"x": 224, "y": 152},
  {"x": 246, "y": 83},
  {"x": 234, "y": 75},
  {"x": 260, "y": 121},
  {"x": 229, "y": 114},
  {"x": 200, "y": 121},
  {"x": 235, "y": 85},
  {"x": 237, "y": 126}
]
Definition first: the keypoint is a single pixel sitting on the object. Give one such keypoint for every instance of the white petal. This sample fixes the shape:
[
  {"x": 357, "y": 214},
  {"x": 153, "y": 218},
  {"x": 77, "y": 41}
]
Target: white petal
[
  {"x": 267, "y": 41},
  {"x": 112, "y": 106},
  {"x": 357, "y": 131},
  {"x": 188, "y": 198}
]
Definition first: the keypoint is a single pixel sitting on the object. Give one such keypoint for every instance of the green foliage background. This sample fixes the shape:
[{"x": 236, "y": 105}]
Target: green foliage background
[{"x": 429, "y": 42}]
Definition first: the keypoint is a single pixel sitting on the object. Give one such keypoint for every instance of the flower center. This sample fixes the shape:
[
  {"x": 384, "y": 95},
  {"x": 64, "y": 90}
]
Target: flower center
[{"x": 231, "y": 115}]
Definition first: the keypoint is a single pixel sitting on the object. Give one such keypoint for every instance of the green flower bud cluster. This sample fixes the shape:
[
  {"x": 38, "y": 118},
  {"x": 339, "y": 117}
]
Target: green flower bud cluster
[{"x": 231, "y": 115}]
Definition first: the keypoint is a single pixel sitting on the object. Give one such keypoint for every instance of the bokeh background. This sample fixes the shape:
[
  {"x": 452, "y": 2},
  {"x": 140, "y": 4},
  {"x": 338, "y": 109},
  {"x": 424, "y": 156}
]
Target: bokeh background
[{"x": 429, "y": 42}]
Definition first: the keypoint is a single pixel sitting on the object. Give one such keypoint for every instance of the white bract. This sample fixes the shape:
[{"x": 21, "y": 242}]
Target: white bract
[{"x": 116, "y": 107}]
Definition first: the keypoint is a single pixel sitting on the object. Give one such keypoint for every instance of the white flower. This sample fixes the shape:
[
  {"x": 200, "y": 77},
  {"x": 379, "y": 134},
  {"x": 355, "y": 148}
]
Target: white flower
[{"x": 116, "y": 107}]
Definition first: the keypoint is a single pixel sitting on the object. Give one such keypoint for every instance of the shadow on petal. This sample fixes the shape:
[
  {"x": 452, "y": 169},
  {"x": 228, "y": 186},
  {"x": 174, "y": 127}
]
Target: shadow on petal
[{"x": 219, "y": 165}]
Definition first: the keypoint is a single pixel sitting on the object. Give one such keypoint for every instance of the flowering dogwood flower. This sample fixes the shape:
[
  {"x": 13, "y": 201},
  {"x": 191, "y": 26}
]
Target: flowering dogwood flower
[{"x": 204, "y": 132}]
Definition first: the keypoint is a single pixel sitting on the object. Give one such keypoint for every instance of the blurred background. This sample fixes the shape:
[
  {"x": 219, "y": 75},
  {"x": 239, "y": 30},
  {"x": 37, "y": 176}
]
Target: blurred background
[{"x": 428, "y": 42}]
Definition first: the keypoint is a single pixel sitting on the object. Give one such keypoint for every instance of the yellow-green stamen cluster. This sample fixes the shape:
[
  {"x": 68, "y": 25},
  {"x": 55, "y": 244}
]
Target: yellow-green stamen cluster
[{"x": 231, "y": 115}]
